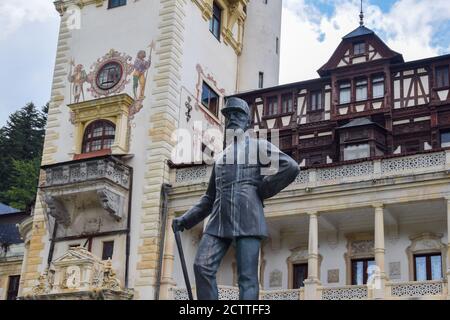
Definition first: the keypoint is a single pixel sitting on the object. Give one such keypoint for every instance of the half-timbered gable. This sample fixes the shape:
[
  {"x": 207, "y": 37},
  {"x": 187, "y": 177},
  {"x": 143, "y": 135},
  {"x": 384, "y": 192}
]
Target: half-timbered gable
[{"x": 366, "y": 103}]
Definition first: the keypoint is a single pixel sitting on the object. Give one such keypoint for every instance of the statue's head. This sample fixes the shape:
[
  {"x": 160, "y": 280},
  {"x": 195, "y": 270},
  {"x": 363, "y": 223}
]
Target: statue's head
[
  {"x": 237, "y": 114},
  {"x": 141, "y": 54}
]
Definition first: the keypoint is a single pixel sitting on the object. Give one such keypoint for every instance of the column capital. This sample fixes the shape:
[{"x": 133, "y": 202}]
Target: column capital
[
  {"x": 312, "y": 213},
  {"x": 378, "y": 205}
]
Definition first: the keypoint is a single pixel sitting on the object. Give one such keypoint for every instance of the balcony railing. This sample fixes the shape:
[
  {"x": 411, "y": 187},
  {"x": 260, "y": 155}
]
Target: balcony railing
[
  {"x": 416, "y": 289},
  {"x": 394, "y": 290},
  {"x": 345, "y": 293},
  {"x": 232, "y": 293},
  {"x": 370, "y": 170},
  {"x": 87, "y": 170}
]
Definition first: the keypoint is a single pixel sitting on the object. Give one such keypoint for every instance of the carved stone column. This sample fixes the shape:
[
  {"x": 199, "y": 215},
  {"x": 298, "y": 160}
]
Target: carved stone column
[
  {"x": 168, "y": 260},
  {"x": 379, "y": 278},
  {"x": 313, "y": 281}
]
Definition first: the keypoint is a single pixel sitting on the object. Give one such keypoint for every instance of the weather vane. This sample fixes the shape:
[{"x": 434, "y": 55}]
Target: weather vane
[{"x": 361, "y": 15}]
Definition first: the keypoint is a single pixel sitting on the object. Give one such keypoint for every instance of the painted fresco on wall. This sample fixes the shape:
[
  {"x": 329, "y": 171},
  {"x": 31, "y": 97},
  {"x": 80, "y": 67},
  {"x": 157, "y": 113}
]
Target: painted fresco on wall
[
  {"x": 77, "y": 77},
  {"x": 141, "y": 68},
  {"x": 111, "y": 74}
]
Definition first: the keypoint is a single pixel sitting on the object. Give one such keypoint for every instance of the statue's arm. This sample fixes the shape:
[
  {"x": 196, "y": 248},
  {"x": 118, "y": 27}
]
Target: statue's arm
[
  {"x": 204, "y": 207},
  {"x": 288, "y": 170}
]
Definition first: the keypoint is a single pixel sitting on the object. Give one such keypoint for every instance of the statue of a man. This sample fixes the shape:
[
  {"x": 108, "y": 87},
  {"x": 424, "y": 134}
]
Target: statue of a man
[{"x": 234, "y": 202}]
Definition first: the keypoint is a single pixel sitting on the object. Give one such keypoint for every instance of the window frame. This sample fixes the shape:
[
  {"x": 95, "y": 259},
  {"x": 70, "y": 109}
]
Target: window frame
[
  {"x": 428, "y": 266},
  {"x": 376, "y": 80},
  {"x": 361, "y": 83},
  {"x": 359, "y": 45},
  {"x": 10, "y": 293},
  {"x": 281, "y": 105},
  {"x": 210, "y": 89},
  {"x": 347, "y": 87},
  {"x": 320, "y": 106},
  {"x": 365, "y": 143},
  {"x": 267, "y": 107},
  {"x": 120, "y": 3},
  {"x": 214, "y": 18},
  {"x": 446, "y": 82},
  {"x": 441, "y": 133},
  {"x": 353, "y": 274},
  {"x": 104, "y": 247},
  {"x": 261, "y": 80},
  {"x": 294, "y": 274},
  {"x": 88, "y": 141}
]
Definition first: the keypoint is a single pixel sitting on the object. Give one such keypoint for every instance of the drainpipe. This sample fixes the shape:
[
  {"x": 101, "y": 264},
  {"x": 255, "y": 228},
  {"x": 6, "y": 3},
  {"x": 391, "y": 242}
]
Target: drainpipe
[
  {"x": 127, "y": 250},
  {"x": 52, "y": 245},
  {"x": 165, "y": 189}
]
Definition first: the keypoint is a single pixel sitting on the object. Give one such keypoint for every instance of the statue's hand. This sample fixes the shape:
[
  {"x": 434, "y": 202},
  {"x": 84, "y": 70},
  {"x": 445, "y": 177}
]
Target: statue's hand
[{"x": 178, "y": 224}]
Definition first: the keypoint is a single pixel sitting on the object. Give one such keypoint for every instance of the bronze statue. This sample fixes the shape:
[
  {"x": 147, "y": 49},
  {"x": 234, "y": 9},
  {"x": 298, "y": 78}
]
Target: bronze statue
[{"x": 234, "y": 201}]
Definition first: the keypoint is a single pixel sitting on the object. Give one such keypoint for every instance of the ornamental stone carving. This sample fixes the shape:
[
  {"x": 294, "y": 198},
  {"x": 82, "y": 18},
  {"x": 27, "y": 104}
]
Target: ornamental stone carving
[
  {"x": 79, "y": 274},
  {"x": 111, "y": 202},
  {"x": 57, "y": 210},
  {"x": 275, "y": 279}
]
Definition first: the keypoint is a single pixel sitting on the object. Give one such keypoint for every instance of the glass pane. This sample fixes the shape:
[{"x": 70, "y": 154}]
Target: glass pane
[
  {"x": 436, "y": 268},
  {"x": 359, "y": 269},
  {"x": 378, "y": 90},
  {"x": 421, "y": 268},
  {"x": 205, "y": 95},
  {"x": 344, "y": 96},
  {"x": 98, "y": 132},
  {"x": 356, "y": 151},
  {"x": 445, "y": 139},
  {"x": 361, "y": 93}
]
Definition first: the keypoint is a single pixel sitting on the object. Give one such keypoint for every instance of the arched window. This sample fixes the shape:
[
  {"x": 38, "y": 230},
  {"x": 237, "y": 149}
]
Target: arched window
[{"x": 99, "y": 135}]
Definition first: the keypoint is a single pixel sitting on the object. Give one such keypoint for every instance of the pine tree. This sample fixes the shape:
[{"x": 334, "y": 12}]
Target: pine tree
[{"x": 21, "y": 143}]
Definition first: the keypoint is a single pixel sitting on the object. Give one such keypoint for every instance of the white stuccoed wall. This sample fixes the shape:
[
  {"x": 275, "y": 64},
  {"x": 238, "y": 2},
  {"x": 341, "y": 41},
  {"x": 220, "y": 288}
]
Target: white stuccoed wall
[{"x": 262, "y": 27}]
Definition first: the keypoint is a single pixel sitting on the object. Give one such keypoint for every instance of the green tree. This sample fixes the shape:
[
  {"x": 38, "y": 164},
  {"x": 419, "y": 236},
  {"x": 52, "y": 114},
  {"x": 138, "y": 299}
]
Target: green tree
[
  {"x": 24, "y": 178},
  {"x": 21, "y": 143}
]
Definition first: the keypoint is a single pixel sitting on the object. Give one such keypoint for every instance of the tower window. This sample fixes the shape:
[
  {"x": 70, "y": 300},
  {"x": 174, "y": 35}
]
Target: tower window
[
  {"x": 361, "y": 90},
  {"x": 261, "y": 80},
  {"x": 378, "y": 87},
  {"x": 359, "y": 48},
  {"x": 344, "y": 92},
  {"x": 109, "y": 76},
  {"x": 116, "y": 3},
  {"x": 108, "y": 250},
  {"x": 99, "y": 135},
  {"x": 210, "y": 99},
  {"x": 442, "y": 79},
  {"x": 315, "y": 101},
  {"x": 277, "y": 45},
  {"x": 216, "y": 21}
]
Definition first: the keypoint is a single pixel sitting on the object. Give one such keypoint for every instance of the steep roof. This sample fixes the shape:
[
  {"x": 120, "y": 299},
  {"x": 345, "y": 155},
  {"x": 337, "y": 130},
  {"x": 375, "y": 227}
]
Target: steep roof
[
  {"x": 356, "y": 123},
  {"x": 9, "y": 234},
  {"x": 4, "y": 209},
  {"x": 360, "y": 31}
]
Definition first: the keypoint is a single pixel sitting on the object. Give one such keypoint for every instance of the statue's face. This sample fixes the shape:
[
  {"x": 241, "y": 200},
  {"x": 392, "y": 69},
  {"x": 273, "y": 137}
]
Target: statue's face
[{"x": 235, "y": 120}]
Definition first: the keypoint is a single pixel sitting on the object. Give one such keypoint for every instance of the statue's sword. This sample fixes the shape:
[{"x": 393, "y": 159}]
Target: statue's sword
[{"x": 183, "y": 265}]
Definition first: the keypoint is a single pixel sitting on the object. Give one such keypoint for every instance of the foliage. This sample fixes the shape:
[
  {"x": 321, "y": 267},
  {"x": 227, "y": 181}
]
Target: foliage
[{"x": 21, "y": 143}]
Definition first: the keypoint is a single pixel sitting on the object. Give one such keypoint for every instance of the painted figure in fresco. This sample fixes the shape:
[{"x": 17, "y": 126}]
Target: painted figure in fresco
[
  {"x": 140, "y": 74},
  {"x": 77, "y": 77},
  {"x": 239, "y": 184}
]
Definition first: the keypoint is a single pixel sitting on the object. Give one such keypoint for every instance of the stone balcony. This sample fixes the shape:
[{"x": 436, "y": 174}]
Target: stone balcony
[
  {"x": 99, "y": 183},
  {"x": 414, "y": 290},
  {"x": 344, "y": 172}
]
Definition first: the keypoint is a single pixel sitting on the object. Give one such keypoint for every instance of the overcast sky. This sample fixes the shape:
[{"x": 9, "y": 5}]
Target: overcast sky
[{"x": 311, "y": 30}]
